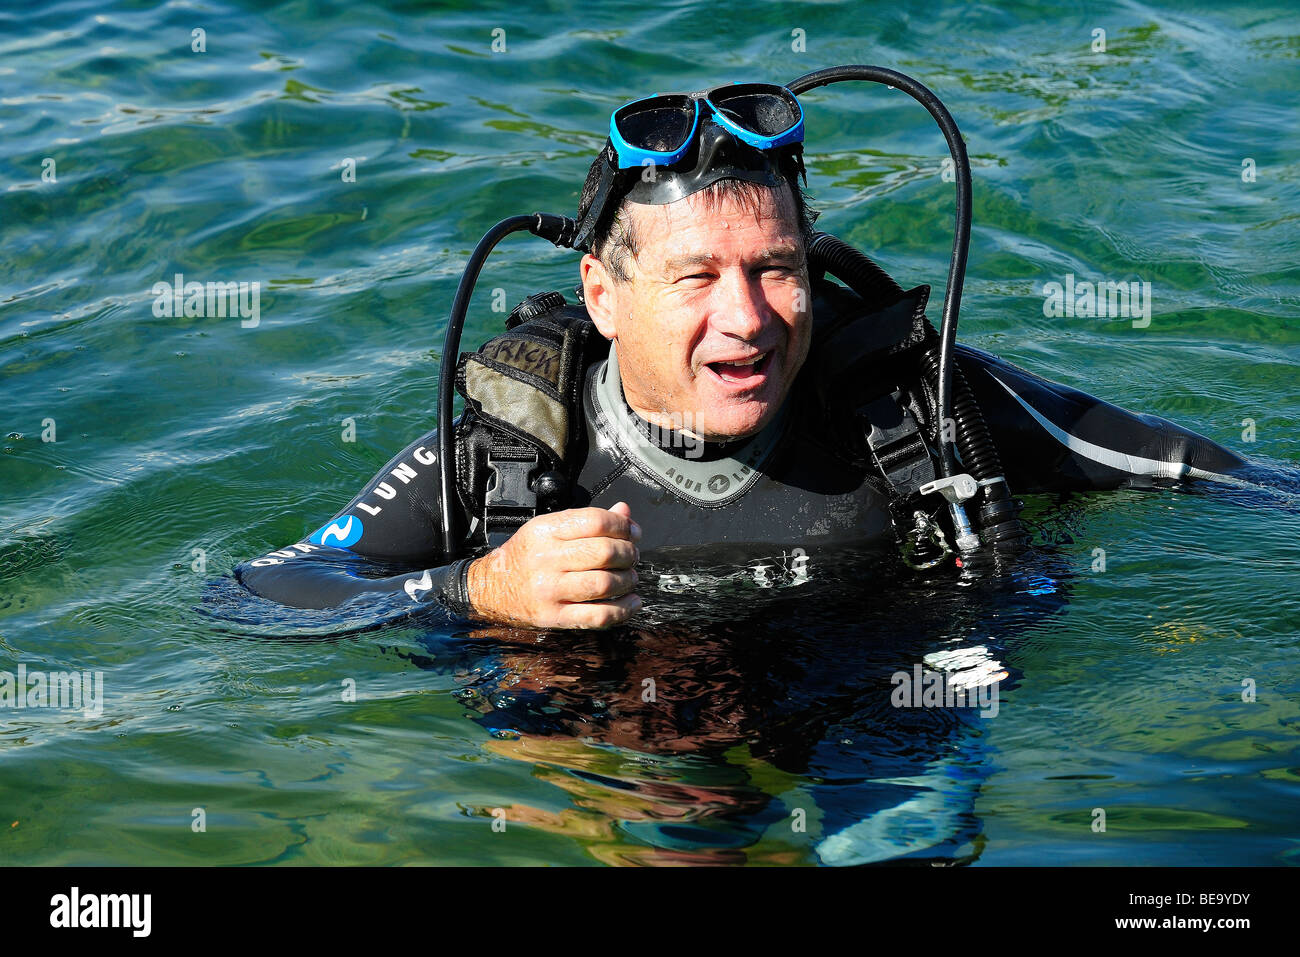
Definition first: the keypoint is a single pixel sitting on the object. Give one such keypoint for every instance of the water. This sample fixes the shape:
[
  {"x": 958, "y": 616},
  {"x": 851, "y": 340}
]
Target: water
[{"x": 1123, "y": 688}]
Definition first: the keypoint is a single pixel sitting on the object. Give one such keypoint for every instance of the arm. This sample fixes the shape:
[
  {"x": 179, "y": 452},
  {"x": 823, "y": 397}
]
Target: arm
[
  {"x": 1054, "y": 438},
  {"x": 568, "y": 569},
  {"x": 391, "y": 524}
]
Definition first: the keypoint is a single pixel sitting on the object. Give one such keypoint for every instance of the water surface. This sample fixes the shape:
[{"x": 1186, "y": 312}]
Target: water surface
[{"x": 1123, "y": 687}]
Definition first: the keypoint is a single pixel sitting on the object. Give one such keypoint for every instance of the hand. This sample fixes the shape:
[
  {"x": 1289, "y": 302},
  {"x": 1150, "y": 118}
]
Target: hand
[{"x": 569, "y": 569}]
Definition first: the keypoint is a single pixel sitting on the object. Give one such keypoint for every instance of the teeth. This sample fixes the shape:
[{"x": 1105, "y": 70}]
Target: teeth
[{"x": 741, "y": 362}]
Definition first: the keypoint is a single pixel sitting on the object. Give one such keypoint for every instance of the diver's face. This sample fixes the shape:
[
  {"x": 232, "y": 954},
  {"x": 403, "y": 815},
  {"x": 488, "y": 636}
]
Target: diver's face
[{"x": 715, "y": 320}]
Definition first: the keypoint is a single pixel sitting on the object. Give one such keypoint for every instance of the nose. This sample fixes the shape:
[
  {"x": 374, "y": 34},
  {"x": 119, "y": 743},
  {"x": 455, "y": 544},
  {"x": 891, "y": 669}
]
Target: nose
[{"x": 742, "y": 310}]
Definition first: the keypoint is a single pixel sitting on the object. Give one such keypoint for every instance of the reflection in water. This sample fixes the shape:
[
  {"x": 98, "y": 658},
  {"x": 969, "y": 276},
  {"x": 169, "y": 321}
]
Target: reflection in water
[{"x": 756, "y": 724}]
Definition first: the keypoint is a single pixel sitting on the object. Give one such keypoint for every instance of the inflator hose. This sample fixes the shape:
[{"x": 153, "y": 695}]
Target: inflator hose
[
  {"x": 961, "y": 223},
  {"x": 875, "y": 286}
]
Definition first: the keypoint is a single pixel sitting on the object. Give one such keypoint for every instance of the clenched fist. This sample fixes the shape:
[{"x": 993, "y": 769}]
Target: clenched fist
[{"x": 569, "y": 569}]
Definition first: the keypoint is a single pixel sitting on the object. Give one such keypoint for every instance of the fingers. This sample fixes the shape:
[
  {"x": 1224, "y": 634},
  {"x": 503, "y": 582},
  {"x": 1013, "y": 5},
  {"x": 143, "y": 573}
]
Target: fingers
[
  {"x": 605, "y": 614},
  {"x": 575, "y": 523},
  {"x": 588, "y": 554},
  {"x": 596, "y": 585},
  {"x": 569, "y": 569}
]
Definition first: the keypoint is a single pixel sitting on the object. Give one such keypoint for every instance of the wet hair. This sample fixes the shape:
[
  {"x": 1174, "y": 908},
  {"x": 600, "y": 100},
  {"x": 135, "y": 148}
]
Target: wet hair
[{"x": 616, "y": 241}]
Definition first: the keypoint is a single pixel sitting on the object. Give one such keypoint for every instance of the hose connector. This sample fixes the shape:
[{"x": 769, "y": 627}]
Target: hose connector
[{"x": 956, "y": 489}]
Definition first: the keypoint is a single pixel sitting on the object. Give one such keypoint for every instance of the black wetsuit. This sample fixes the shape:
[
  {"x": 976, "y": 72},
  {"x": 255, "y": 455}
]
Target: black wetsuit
[{"x": 774, "y": 502}]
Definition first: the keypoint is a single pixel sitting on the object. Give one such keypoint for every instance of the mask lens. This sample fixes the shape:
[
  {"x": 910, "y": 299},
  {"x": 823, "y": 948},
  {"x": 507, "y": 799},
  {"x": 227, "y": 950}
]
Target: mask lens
[
  {"x": 661, "y": 125},
  {"x": 759, "y": 108}
]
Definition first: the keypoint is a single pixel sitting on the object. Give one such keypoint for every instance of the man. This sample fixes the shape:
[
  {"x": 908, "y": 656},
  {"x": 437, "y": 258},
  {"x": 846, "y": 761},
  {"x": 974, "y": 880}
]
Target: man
[{"x": 746, "y": 410}]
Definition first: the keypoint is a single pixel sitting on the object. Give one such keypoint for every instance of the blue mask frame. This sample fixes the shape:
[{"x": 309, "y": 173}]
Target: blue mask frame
[{"x": 630, "y": 155}]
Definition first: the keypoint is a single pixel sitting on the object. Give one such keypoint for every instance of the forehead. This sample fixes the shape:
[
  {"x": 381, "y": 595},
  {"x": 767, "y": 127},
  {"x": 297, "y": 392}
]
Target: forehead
[{"x": 711, "y": 220}]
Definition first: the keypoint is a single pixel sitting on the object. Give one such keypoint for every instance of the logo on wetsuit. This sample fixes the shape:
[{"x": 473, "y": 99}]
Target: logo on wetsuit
[
  {"x": 403, "y": 473},
  {"x": 341, "y": 533},
  {"x": 414, "y": 586},
  {"x": 717, "y": 484},
  {"x": 346, "y": 530}
]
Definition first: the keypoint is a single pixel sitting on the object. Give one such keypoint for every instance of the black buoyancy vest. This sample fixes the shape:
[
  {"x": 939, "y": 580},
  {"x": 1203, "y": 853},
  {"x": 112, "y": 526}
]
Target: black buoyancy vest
[{"x": 521, "y": 443}]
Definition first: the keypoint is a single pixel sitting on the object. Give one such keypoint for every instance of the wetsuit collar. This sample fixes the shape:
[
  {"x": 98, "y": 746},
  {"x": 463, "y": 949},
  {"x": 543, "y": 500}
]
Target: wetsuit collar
[
  {"x": 715, "y": 482},
  {"x": 680, "y": 444}
]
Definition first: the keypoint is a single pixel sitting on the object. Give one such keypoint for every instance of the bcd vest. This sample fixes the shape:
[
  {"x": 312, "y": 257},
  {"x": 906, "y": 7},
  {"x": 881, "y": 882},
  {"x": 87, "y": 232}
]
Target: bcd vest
[{"x": 522, "y": 441}]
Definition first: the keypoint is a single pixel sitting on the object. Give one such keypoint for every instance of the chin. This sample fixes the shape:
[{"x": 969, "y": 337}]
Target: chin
[
  {"x": 732, "y": 411},
  {"x": 740, "y": 423}
]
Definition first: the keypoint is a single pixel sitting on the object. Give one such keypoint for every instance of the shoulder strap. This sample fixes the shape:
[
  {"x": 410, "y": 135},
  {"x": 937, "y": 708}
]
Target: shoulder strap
[{"x": 865, "y": 358}]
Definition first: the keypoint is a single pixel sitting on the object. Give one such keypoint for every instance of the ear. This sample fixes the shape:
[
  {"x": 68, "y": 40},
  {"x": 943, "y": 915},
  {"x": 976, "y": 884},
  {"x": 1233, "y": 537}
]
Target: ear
[{"x": 599, "y": 295}]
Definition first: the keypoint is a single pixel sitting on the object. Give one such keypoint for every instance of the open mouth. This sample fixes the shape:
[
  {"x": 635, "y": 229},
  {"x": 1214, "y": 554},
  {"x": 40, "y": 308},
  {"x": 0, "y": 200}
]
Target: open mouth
[{"x": 744, "y": 372}]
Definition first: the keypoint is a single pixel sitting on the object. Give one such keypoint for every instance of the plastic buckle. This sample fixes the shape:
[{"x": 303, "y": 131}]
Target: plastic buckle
[
  {"x": 509, "y": 501},
  {"x": 896, "y": 443},
  {"x": 510, "y": 491}
]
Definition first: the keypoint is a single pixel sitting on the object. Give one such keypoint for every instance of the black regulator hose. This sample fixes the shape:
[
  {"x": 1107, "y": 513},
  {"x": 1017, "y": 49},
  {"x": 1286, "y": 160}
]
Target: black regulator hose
[
  {"x": 961, "y": 226},
  {"x": 998, "y": 516},
  {"x": 560, "y": 230},
  {"x": 863, "y": 276}
]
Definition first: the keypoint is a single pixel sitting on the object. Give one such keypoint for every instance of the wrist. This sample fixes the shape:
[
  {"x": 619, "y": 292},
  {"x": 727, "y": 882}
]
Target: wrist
[
  {"x": 477, "y": 587},
  {"x": 454, "y": 590}
]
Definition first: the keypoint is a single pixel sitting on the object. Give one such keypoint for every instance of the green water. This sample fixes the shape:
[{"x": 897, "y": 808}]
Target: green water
[{"x": 180, "y": 434}]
